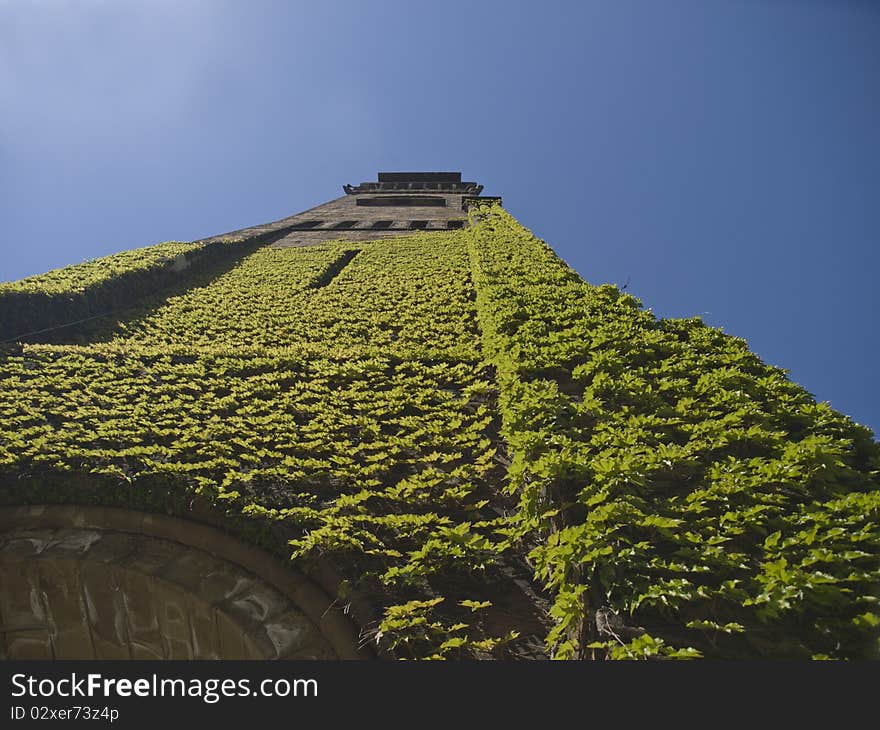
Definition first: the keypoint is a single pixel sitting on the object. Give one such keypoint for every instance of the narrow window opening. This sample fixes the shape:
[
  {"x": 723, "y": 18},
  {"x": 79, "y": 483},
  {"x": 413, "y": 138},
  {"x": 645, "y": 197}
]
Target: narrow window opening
[
  {"x": 383, "y": 224},
  {"x": 418, "y": 225},
  {"x": 332, "y": 271},
  {"x": 402, "y": 201}
]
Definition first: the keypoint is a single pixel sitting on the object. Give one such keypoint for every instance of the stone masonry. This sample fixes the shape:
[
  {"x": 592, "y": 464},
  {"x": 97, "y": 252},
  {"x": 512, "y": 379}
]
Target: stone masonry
[{"x": 396, "y": 205}]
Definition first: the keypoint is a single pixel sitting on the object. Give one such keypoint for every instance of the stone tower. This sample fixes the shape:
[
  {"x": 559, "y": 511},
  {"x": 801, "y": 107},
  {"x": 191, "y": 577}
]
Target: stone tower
[
  {"x": 398, "y": 425},
  {"x": 396, "y": 205}
]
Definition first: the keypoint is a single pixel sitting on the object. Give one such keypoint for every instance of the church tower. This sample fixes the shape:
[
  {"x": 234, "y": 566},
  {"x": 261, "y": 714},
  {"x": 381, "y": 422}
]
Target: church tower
[
  {"x": 398, "y": 425},
  {"x": 396, "y": 205}
]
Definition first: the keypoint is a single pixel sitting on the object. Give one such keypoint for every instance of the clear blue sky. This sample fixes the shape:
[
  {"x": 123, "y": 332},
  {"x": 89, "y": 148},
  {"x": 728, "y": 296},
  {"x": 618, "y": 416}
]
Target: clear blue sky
[{"x": 723, "y": 156}]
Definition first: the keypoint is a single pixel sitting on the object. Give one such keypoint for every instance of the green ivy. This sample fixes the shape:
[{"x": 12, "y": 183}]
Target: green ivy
[
  {"x": 427, "y": 413},
  {"x": 685, "y": 498},
  {"x": 337, "y": 399},
  {"x": 106, "y": 286}
]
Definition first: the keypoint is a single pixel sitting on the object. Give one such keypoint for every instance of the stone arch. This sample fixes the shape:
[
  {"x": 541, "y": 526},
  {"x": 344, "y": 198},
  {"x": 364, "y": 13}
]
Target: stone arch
[{"x": 109, "y": 583}]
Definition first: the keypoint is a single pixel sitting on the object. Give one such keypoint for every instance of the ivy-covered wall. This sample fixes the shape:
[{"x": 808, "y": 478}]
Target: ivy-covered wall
[
  {"x": 685, "y": 498},
  {"x": 332, "y": 401},
  {"x": 94, "y": 288},
  {"x": 498, "y": 458}
]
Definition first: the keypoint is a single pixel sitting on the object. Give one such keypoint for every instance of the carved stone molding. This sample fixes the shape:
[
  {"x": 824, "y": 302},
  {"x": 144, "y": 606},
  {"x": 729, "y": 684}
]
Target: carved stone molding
[{"x": 107, "y": 583}]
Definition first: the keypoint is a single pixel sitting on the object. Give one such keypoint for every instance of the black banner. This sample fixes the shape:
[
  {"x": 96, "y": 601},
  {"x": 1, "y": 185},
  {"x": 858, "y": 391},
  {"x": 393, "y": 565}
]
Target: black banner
[{"x": 134, "y": 694}]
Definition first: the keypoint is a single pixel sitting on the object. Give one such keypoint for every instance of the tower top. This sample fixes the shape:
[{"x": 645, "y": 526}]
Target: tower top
[
  {"x": 420, "y": 177},
  {"x": 399, "y": 182}
]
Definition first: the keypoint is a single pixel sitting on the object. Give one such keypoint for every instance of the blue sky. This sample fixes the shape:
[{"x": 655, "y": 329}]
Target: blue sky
[{"x": 722, "y": 156}]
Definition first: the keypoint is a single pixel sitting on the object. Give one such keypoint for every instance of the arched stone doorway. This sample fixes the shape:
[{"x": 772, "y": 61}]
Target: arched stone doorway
[{"x": 83, "y": 583}]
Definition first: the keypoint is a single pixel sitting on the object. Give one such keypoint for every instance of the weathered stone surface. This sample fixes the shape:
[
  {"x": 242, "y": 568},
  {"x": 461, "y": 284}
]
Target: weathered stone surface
[
  {"x": 71, "y": 543},
  {"x": 28, "y": 645},
  {"x": 21, "y": 605},
  {"x": 172, "y": 610},
  {"x": 81, "y": 593},
  {"x": 144, "y": 632},
  {"x": 67, "y": 619},
  {"x": 258, "y": 603},
  {"x": 203, "y": 627},
  {"x": 233, "y": 643},
  {"x": 105, "y": 609},
  {"x": 152, "y": 561},
  {"x": 376, "y": 210},
  {"x": 27, "y": 543},
  {"x": 291, "y": 638}
]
